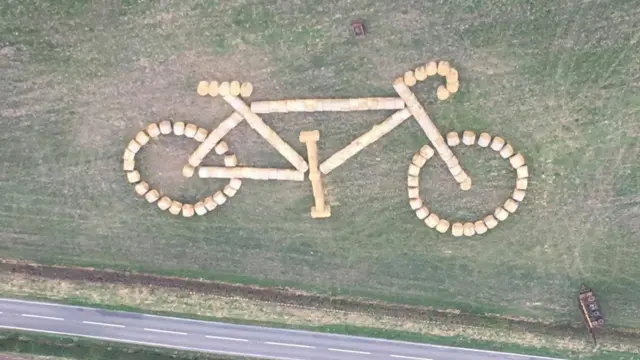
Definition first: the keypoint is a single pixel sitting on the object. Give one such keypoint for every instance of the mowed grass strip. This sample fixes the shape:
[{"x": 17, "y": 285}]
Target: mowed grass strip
[{"x": 557, "y": 80}]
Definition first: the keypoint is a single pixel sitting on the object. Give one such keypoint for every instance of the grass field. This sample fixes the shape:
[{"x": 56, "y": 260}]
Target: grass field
[{"x": 559, "y": 81}]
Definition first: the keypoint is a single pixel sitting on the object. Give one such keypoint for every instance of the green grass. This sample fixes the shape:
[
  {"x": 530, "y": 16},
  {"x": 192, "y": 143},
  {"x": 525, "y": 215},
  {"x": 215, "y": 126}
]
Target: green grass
[{"x": 558, "y": 80}]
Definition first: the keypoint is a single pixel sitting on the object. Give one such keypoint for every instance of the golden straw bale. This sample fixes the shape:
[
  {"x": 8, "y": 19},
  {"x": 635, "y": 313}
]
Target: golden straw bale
[
  {"x": 501, "y": 214},
  {"x": 246, "y": 89},
  {"x": 522, "y": 172},
  {"x": 468, "y": 137},
  {"x": 522, "y": 184},
  {"x": 414, "y": 170},
  {"x": 128, "y": 165},
  {"x": 142, "y": 138},
  {"x": 452, "y": 76},
  {"x": 422, "y": 212},
  {"x": 234, "y": 88},
  {"x": 432, "y": 220},
  {"x": 443, "y": 226},
  {"x": 128, "y": 155},
  {"x": 224, "y": 89},
  {"x": 164, "y": 203},
  {"x": 431, "y": 68},
  {"x": 490, "y": 221},
  {"x": 452, "y": 87},
  {"x": 235, "y": 183},
  {"x": 133, "y": 176},
  {"x": 443, "y": 68},
  {"x": 507, "y": 151},
  {"x": 213, "y": 89},
  {"x": 427, "y": 151},
  {"x": 510, "y": 205},
  {"x": 152, "y": 196},
  {"x": 468, "y": 229},
  {"x": 188, "y": 210},
  {"x": 199, "y": 208},
  {"x": 221, "y": 148},
  {"x": 165, "y": 127},
  {"x": 229, "y": 191},
  {"x": 190, "y": 130},
  {"x": 413, "y": 181},
  {"x": 465, "y": 184},
  {"x": 497, "y": 143},
  {"x": 461, "y": 177},
  {"x": 419, "y": 160},
  {"x": 442, "y": 93},
  {"x": 415, "y": 204},
  {"x": 480, "y": 227},
  {"x": 188, "y": 170},
  {"x": 484, "y": 140},
  {"x": 203, "y": 88},
  {"x": 455, "y": 170},
  {"x": 413, "y": 192},
  {"x": 209, "y": 203},
  {"x": 219, "y": 197},
  {"x": 141, "y": 188},
  {"x": 453, "y": 139},
  {"x": 178, "y": 128},
  {"x": 175, "y": 208},
  {"x": 420, "y": 73},
  {"x": 230, "y": 160},
  {"x": 153, "y": 130},
  {"x": 516, "y": 160},
  {"x": 453, "y": 162},
  {"x": 518, "y": 195},
  {"x": 457, "y": 229},
  {"x": 201, "y": 134},
  {"x": 133, "y": 146},
  {"x": 409, "y": 78}
]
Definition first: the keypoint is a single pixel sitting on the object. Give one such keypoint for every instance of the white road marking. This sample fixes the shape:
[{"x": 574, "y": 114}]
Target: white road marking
[
  {"x": 225, "y": 338},
  {"x": 166, "y": 331},
  {"x": 102, "y": 324},
  {"x": 43, "y": 317},
  {"x": 290, "y": 345},
  {"x": 408, "y": 357},
  {"x": 350, "y": 351}
]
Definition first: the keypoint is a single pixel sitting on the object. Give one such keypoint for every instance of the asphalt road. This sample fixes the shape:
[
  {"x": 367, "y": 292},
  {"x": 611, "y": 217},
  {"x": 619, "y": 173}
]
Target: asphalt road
[{"x": 221, "y": 338}]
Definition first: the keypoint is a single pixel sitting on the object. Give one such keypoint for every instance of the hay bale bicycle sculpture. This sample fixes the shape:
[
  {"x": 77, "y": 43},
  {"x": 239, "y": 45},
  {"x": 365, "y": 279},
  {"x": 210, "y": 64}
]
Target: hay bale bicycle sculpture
[{"x": 406, "y": 106}]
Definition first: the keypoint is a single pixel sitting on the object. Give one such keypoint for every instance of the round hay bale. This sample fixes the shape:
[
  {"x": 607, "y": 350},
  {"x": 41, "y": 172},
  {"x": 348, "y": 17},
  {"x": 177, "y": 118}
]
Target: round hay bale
[
  {"x": 456, "y": 170},
  {"x": 229, "y": 191},
  {"x": 501, "y": 214},
  {"x": 188, "y": 210},
  {"x": 516, "y": 160},
  {"x": 234, "y": 88},
  {"x": 128, "y": 165},
  {"x": 128, "y": 155},
  {"x": 133, "y": 176},
  {"x": 460, "y": 178},
  {"x": 153, "y": 130},
  {"x": 409, "y": 79},
  {"x": 510, "y": 205},
  {"x": 443, "y": 226},
  {"x": 164, "y": 203},
  {"x": 152, "y": 196},
  {"x": 522, "y": 172},
  {"x": 223, "y": 89},
  {"x": 468, "y": 137},
  {"x": 221, "y": 148},
  {"x": 484, "y": 140},
  {"x": 219, "y": 197},
  {"x": 442, "y": 93},
  {"x": 453, "y": 139},
  {"x": 165, "y": 127},
  {"x": 432, "y": 220},
  {"x": 230, "y": 160},
  {"x": 518, "y": 195},
  {"x": 422, "y": 212},
  {"x": 413, "y": 170},
  {"x": 457, "y": 229},
  {"x": 188, "y": 171},
  {"x": 213, "y": 89},
  {"x": 210, "y": 204},
  {"x": 415, "y": 204},
  {"x": 413, "y": 181},
  {"x": 201, "y": 134},
  {"x": 235, "y": 183},
  {"x": 175, "y": 208},
  {"x": 142, "y": 138},
  {"x": 427, "y": 151},
  {"x": 141, "y": 188},
  {"x": 199, "y": 208},
  {"x": 190, "y": 130},
  {"x": 490, "y": 221},
  {"x": 522, "y": 184},
  {"x": 133, "y": 146},
  {"x": 465, "y": 184},
  {"x": 469, "y": 229},
  {"x": 420, "y": 73},
  {"x": 480, "y": 227},
  {"x": 443, "y": 68},
  {"x": 178, "y": 128},
  {"x": 506, "y": 151},
  {"x": 452, "y": 76},
  {"x": 246, "y": 89},
  {"x": 453, "y": 87},
  {"x": 419, "y": 160},
  {"x": 203, "y": 88},
  {"x": 413, "y": 192},
  {"x": 431, "y": 68},
  {"x": 497, "y": 143}
]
